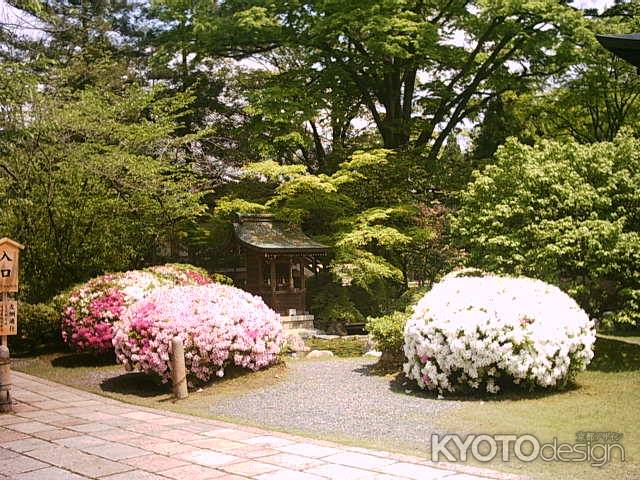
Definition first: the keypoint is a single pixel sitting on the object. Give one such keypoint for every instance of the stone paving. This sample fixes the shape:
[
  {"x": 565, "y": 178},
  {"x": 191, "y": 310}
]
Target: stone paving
[{"x": 60, "y": 433}]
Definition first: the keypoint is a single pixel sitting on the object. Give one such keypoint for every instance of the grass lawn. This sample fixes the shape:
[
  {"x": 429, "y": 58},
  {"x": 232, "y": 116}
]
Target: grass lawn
[
  {"x": 103, "y": 376},
  {"x": 606, "y": 398},
  {"x": 341, "y": 347}
]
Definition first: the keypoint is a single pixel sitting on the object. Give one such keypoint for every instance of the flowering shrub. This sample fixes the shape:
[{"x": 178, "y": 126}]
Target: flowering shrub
[
  {"x": 489, "y": 331},
  {"x": 218, "y": 324},
  {"x": 89, "y": 310},
  {"x": 182, "y": 274}
]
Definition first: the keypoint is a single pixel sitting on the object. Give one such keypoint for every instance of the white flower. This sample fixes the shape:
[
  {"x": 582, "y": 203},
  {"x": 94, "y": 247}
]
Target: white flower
[{"x": 482, "y": 330}]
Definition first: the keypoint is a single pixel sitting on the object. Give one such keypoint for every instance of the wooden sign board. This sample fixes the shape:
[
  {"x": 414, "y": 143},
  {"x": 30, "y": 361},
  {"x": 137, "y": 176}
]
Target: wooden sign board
[
  {"x": 9, "y": 317},
  {"x": 9, "y": 257}
]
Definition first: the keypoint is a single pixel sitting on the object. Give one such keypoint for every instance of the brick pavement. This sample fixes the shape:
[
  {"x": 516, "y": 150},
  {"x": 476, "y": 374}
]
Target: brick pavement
[{"x": 60, "y": 433}]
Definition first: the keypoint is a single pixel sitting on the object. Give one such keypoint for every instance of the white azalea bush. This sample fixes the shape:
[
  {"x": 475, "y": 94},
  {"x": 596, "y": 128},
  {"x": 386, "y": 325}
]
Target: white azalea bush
[{"x": 485, "y": 332}]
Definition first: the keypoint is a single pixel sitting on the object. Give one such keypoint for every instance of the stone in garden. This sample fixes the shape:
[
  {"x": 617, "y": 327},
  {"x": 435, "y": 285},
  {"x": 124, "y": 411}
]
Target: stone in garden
[
  {"x": 295, "y": 343},
  {"x": 305, "y": 333},
  {"x": 373, "y": 354},
  {"x": 327, "y": 337},
  {"x": 315, "y": 354}
]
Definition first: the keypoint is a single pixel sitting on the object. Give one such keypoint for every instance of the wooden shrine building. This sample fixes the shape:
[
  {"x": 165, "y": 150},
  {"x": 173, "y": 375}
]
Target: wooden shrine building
[{"x": 279, "y": 258}]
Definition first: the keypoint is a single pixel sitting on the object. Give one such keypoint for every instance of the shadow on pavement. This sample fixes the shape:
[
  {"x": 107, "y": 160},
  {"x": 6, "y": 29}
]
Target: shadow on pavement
[
  {"x": 138, "y": 384},
  {"x": 75, "y": 360}
]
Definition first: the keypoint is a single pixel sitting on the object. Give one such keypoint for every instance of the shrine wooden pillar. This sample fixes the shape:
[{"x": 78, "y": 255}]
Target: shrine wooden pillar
[
  {"x": 291, "y": 284},
  {"x": 273, "y": 275},
  {"x": 302, "y": 279}
]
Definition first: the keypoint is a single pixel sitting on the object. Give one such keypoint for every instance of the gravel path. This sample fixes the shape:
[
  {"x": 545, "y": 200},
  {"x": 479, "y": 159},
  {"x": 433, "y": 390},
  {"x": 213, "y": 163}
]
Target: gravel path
[{"x": 339, "y": 399}]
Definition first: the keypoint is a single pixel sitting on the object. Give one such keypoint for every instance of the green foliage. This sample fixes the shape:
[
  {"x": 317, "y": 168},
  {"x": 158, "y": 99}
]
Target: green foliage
[
  {"x": 341, "y": 347},
  {"x": 373, "y": 52},
  {"x": 87, "y": 180},
  {"x": 222, "y": 279},
  {"x": 379, "y": 241},
  {"x": 332, "y": 307},
  {"x": 38, "y": 326},
  {"x": 185, "y": 267},
  {"x": 562, "y": 212},
  {"x": 310, "y": 199},
  {"x": 591, "y": 102},
  {"x": 273, "y": 172},
  {"x": 363, "y": 268},
  {"x": 409, "y": 299},
  {"x": 388, "y": 332},
  {"x": 227, "y": 208}
]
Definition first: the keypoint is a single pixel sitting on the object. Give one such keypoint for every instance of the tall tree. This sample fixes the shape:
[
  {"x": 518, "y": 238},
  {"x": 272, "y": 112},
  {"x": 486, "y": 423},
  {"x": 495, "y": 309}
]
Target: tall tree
[
  {"x": 591, "y": 102},
  {"x": 420, "y": 68},
  {"x": 92, "y": 158}
]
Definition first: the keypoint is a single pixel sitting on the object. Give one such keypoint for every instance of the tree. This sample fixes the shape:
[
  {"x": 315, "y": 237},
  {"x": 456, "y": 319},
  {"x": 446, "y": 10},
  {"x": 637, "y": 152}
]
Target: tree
[
  {"x": 91, "y": 42},
  {"x": 90, "y": 154},
  {"x": 600, "y": 96},
  {"x": 564, "y": 213},
  {"x": 591, "y": 102},
  {"x": 401, "y": 57},
  {"x": 87, "y": 180}
]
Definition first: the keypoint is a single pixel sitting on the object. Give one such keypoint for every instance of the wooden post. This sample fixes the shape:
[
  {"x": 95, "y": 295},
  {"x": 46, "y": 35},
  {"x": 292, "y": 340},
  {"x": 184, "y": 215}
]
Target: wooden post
[
  {"x": 178, "y": 370},
  {"x": 9, "y": 254},
  {"x": 302, "y": 279},
  {"x": 5, "y": 303}
]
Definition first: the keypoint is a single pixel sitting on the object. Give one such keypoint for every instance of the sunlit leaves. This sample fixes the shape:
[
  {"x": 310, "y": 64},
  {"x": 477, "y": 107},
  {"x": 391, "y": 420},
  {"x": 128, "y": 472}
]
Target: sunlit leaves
[{"x": 562, "y": 212}]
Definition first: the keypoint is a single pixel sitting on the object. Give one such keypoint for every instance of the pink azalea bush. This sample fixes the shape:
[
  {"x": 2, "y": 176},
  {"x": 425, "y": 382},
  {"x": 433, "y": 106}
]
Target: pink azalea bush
[
  {"x": 180, "y": 274},
  {"x": 90, "y": 310},
  {"x": 218, "y": 324}
]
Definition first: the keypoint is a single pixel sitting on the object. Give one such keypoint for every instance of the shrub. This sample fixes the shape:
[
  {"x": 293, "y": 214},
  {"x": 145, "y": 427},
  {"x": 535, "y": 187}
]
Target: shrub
[
  {"x": 332, "y": 307},
  {"x": 218, "y": 324},
  {"x": 488, "y": 332},
  {"x": 38, "y": 324},
  {"x": 90, "y": 310},
  {"x": 183, "y": 274},
  {"x": 388, "y": 332},
  {"x": 564, "y": 213}
]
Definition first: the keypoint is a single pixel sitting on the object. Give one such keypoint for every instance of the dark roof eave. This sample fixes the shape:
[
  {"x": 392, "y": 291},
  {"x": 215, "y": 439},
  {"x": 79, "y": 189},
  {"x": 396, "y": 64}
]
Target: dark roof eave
[
  {"x": 262, "y": 233},
  {"x": 292, "y": 250},
  {"x": 625, "y": 46}
]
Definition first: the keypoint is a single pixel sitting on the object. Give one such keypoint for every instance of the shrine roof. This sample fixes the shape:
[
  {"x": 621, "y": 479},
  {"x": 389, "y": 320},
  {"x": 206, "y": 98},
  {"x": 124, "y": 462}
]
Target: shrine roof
[
  {"x": 266, "y": 234},
  {"x": 626, "y": 46}
]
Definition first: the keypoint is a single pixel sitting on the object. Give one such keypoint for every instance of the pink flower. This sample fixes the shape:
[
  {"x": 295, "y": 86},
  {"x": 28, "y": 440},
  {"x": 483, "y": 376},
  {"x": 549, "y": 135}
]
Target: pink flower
[
  {"x": 93, "y": 308},
  {"x": 218, "y": 325}
]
